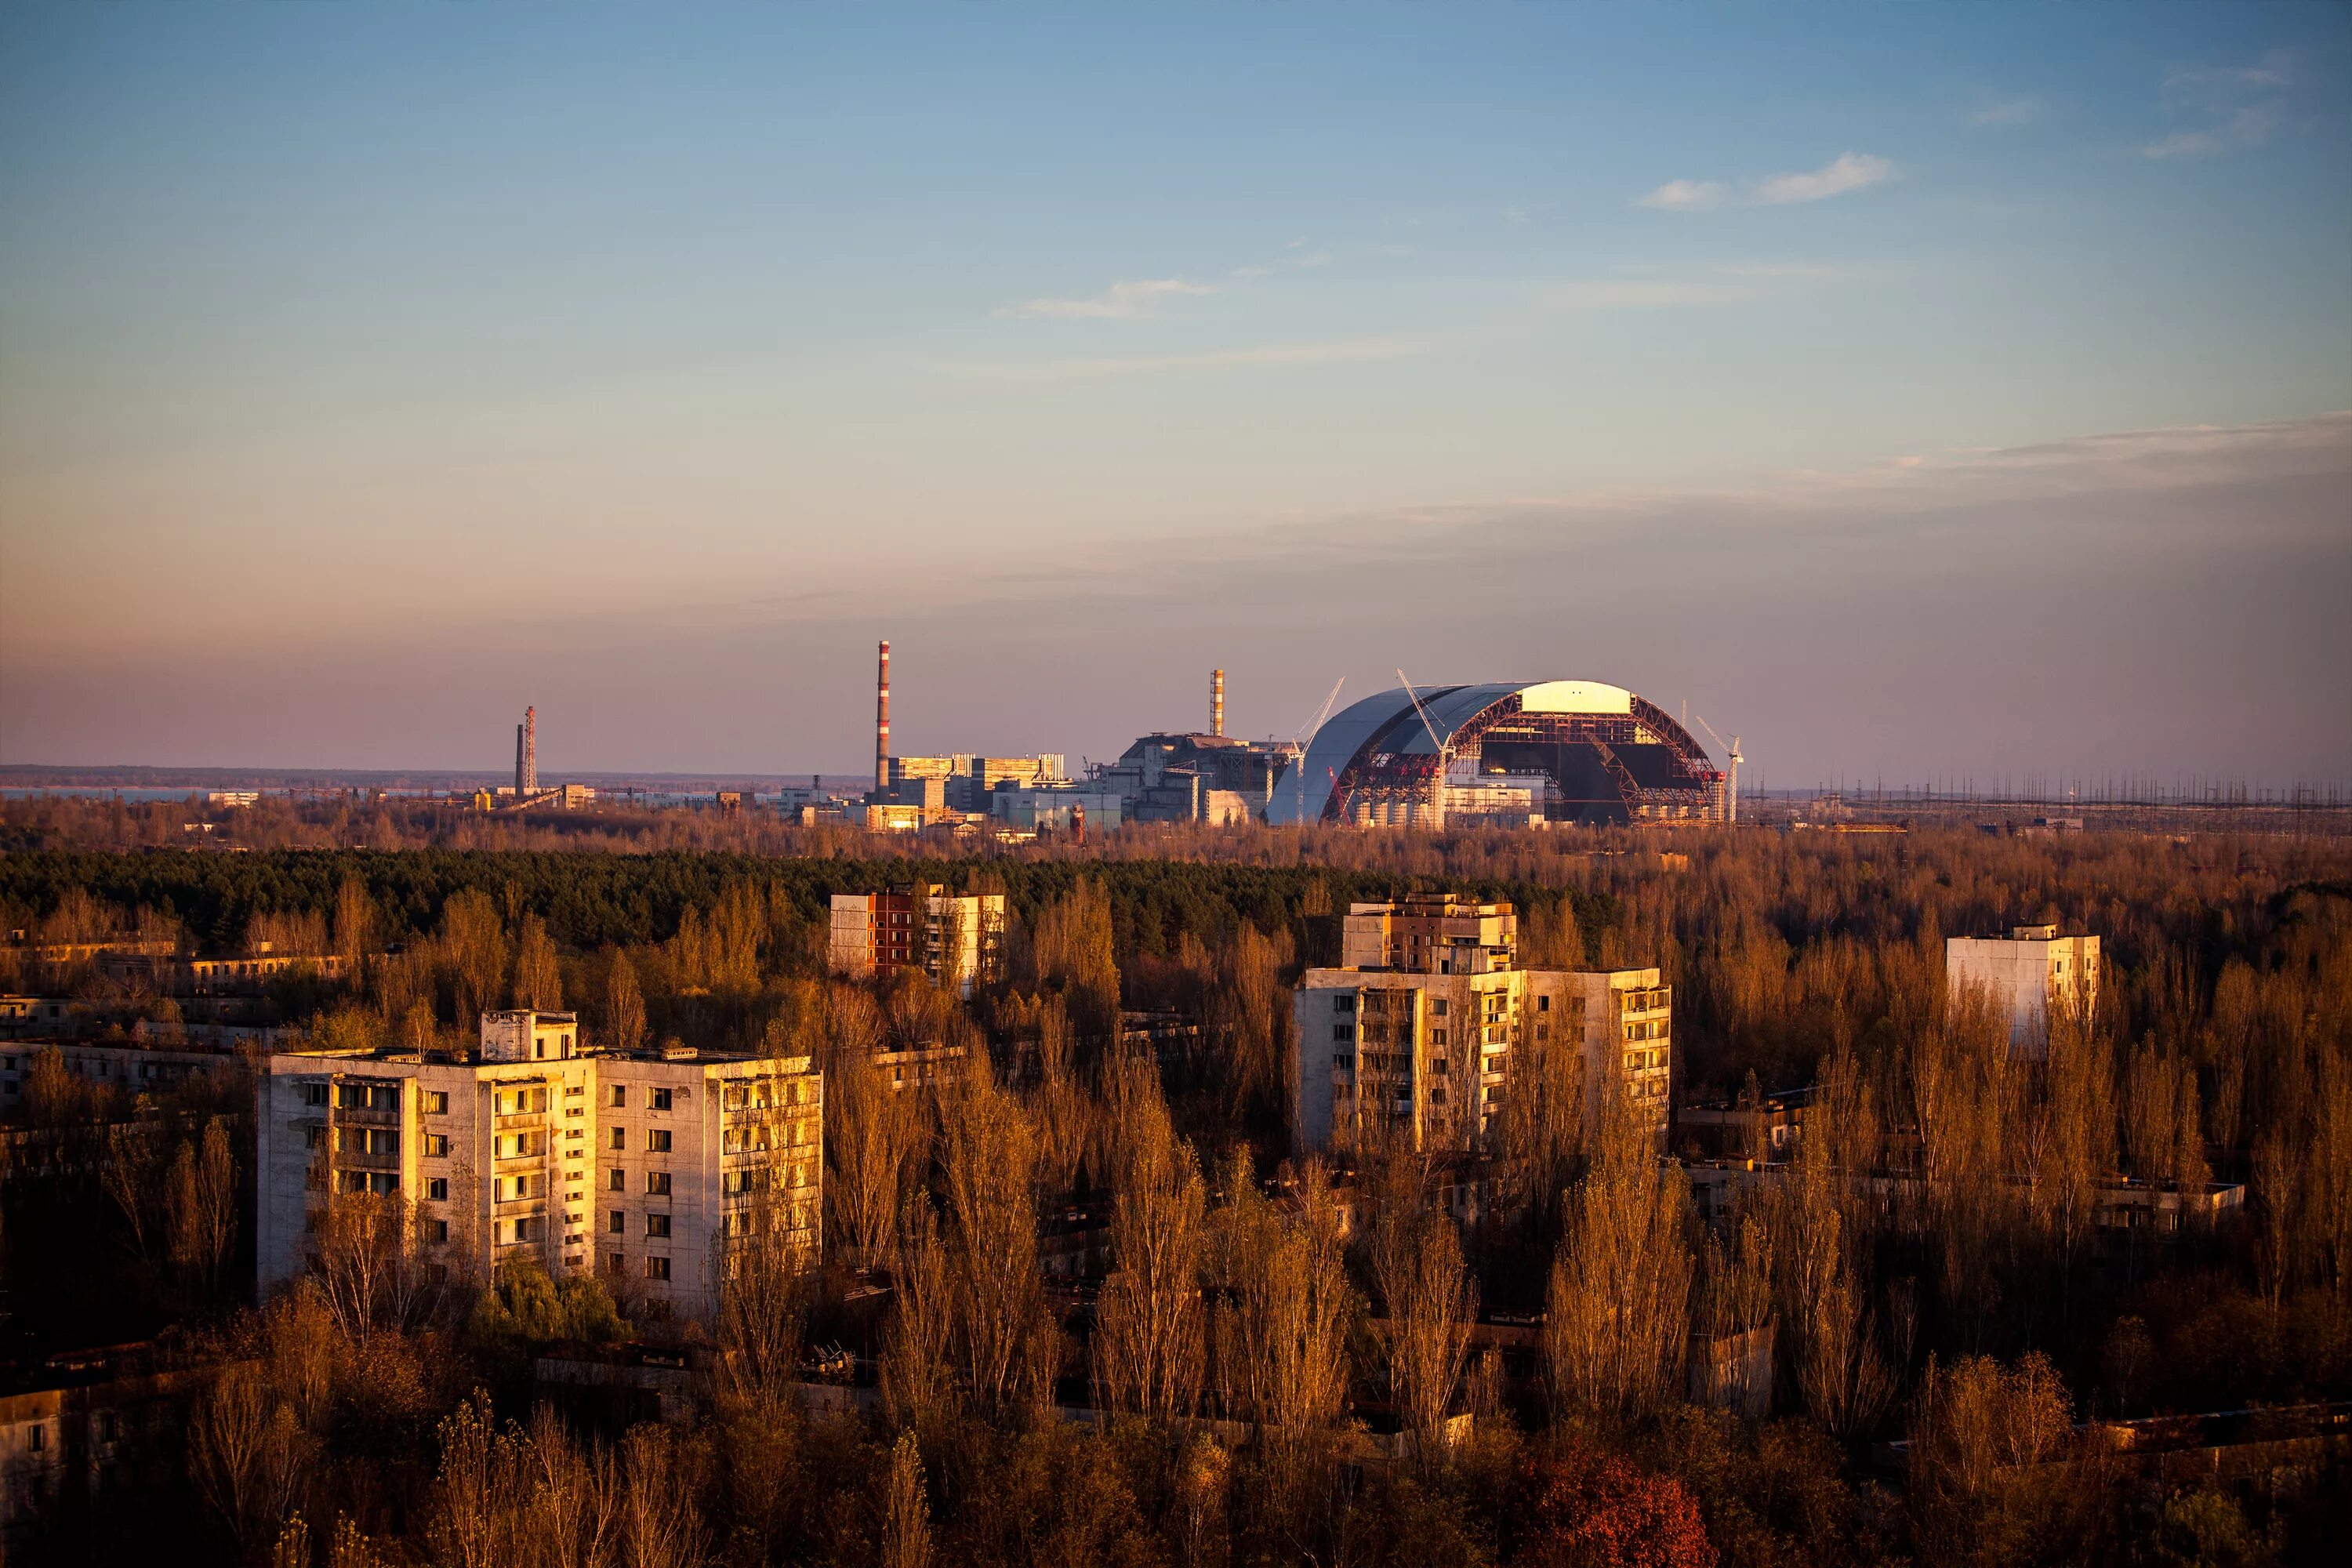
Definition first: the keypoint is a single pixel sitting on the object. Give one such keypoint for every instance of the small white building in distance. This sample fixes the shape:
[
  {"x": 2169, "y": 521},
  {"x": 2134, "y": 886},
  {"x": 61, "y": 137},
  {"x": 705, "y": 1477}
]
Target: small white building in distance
[
  {"x": 955, "y": 940},
  {"x": 2023, "y": 975},
  {"x": 1420, "y": 1031},
  {"x": 631, "y": 1164}
]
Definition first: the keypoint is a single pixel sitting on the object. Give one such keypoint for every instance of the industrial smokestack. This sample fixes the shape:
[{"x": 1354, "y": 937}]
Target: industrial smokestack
[
  {"x": 1216, "y": 702},
  {"x": 518, "y": 742},
  {"x": 530, "y": 750},
  {"x": 882, "y": 724}
]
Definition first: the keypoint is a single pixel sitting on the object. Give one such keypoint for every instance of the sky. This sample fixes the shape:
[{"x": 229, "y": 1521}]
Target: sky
[{"x": 1916, "y": 392}]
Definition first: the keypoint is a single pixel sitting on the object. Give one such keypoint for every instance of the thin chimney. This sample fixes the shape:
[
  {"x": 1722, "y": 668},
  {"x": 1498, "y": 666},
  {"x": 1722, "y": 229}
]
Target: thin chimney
[
  {"x": 529, "y": 750},
  {"x": 882, "y": 724},
  {"x": 1216, "y": 702},
  {"x": 519, "y": 774}
]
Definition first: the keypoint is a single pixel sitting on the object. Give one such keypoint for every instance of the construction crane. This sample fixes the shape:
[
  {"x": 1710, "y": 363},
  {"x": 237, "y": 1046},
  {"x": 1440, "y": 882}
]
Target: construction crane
[
  {"x": 1731, "y": 778},
  {"x": 1445, "y": 756},
  {"x": 1304, "y": 737}
]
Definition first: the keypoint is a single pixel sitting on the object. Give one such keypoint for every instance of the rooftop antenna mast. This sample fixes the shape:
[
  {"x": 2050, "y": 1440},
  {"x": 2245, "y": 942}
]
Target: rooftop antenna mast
[
  {"x": 1731, "y": 778},
  {"x": 1444, "y": 757},
  {"x": 1302, "y": 739}
]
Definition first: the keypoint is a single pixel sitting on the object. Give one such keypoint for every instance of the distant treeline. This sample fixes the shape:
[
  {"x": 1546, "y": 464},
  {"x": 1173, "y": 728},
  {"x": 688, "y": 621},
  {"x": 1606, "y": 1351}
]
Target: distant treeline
[{"x": 590, "y": 900}]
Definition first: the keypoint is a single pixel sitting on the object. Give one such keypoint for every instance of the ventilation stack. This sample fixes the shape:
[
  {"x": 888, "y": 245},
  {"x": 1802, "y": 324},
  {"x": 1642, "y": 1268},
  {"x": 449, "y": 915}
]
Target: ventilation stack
[
  {"x": 1216, "y": 702},
  {"x": 518, "y": 765},
  {"x": 882, "y": 726},
  {"x": 529, "y": 752}
]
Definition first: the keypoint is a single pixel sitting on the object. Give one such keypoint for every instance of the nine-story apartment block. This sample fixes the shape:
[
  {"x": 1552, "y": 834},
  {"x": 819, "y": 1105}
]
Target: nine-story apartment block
[
  {"x": 955, "y": 940},
  {"x": 636, "y": 1165},
  {"x": 1419, "y": 1033}
]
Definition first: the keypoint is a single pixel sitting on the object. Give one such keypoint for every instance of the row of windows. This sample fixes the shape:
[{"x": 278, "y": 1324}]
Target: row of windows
[
  {"x": 617, "y": 1266},
  {"x": 515, "y": 1102},
  {"x": 655, "y": 1224}
]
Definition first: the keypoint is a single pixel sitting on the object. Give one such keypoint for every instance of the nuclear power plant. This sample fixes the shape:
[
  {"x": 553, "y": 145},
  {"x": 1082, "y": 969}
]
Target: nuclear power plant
[
  {"x": 1525, "y": 754},
  {"x": 1512, "y": 754}
]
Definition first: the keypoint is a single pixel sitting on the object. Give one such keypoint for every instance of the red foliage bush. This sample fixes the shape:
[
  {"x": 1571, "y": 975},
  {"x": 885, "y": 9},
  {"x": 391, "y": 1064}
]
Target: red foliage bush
[{"x": 1588, "y": 1509}]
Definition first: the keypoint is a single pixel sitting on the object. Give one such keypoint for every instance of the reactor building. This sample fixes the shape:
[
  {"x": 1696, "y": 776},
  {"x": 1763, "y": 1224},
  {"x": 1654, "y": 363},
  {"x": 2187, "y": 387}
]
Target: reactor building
[{"x": 1505, "y": 755}]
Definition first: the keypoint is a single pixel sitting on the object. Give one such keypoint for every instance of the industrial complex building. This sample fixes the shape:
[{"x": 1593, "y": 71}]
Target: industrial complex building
[
  {"x": 2023, "y": 977},
  {"x": 1417, "y": 1035},
  {"x": 1554, "y": 751},
  {"x": 1205, "y": 776},
  {"x": 1496, "y": 755}
]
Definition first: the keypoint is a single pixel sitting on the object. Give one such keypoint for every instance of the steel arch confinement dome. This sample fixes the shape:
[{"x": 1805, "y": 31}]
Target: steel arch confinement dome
[{"x": 1597, "y": 752}]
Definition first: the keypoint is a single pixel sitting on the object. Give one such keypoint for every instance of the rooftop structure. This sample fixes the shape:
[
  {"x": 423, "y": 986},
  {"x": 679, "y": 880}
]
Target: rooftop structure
[
  {"x": 1552, "y": 751},
  {"x": 1431, "y": 933}
]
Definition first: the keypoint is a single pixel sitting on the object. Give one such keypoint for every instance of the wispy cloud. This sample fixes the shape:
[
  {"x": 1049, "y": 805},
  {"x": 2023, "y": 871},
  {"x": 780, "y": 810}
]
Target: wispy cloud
[
  {"x": 1846, "y": 172},
  {"x": 2008, "y": 111},
  {"x": 2249, "y": 127},
  {"x": 1686, "y": 197},
  {"x": 1339, "y": 351},
  {"x": 1120, "y": 302},
  {"x": 2223, "y": 110}
]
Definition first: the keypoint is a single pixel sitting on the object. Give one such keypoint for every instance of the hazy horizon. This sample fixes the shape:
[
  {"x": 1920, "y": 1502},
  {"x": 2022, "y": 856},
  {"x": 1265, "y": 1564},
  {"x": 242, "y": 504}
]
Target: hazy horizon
[{"x": 1912, "y": 393}]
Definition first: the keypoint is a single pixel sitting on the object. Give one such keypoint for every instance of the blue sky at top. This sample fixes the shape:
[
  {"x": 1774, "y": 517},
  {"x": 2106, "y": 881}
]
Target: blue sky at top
[{"x": 696, "y": 312}]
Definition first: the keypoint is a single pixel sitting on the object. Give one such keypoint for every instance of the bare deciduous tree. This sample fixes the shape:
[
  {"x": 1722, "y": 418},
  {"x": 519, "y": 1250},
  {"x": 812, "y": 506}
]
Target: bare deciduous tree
[
  {"x": 1432, "y": 1304},
  {"x": 537, "y": 980},
  {"x": 875, "y": 1138},
  {"x": 249, "y": 1455},
  {"x": 1010, "y": 1343},
  {"x": 129, "y": 1171},
  {"x": 372, "y": 1268},
  {"x": 1618, "y": 1319},
  {"x": 917, "y": 1384},
  {"x": 204, "y": 1206},
  {"x": 1151, "y": 1324},
  {"x": 906, "y": 1516}
]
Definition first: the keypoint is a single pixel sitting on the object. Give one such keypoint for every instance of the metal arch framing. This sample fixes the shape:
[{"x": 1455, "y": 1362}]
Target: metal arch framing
[
  {"x": 1376, "y": 755},
  {"x": 1379, "y": 763},
  {"x": 1686, "y": 748}
]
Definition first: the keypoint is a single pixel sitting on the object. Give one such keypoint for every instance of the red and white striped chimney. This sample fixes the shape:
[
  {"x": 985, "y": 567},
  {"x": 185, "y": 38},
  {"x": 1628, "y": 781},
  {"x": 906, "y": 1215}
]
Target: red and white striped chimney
[{"x": 882, "y": 724}]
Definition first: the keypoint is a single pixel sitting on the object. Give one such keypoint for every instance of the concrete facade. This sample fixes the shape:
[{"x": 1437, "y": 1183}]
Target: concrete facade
[
  {"x": 953, "y": 939},
  {"x": 532, "y": 1149},
  {"x": 2022, "y": 977},
  {"x": 1419, "y": 1033},
  {"x": 1627, "y": 1019}
]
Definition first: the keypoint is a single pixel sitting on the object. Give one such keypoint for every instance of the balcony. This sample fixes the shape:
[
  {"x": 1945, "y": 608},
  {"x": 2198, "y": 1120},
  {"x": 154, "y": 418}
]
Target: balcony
[
  {"x": 519, "y": 1121},
  {"x": 358, "y": 1159},
  {"x": 358, "y": 1116}
]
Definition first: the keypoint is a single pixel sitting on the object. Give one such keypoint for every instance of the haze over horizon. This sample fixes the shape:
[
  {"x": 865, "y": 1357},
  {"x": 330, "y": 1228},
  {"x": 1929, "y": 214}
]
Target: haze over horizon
[{"x": 1916, "y": 394}]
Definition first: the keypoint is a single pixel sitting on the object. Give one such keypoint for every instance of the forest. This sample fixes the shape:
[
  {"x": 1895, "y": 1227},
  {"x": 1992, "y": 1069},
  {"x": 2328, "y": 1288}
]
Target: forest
[{"x": 1275, "y": 1359}]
